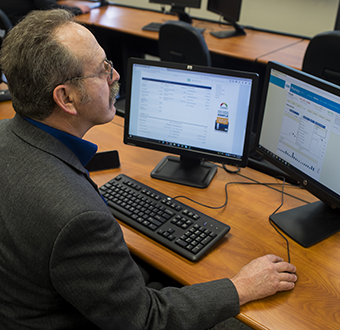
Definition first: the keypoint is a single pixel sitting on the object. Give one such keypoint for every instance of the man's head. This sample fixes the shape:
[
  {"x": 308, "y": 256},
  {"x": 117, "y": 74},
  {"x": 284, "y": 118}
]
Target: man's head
[{"x": 43, "y": 54}]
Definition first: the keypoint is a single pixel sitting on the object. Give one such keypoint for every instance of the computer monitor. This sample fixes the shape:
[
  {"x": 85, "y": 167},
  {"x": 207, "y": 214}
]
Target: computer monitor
[
  {"x": 300, "y": 134},
  {"x": 178, "y": 7},
  {"x": 200, "y": 113},
  {"x": 230, "y": 11}
]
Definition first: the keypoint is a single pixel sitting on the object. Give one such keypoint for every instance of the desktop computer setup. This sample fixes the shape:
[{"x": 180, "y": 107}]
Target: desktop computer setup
[
  {"x": 177, "y": 8},
  {"x": 204, "y": 115},
  {"x": 201, "y": 114},
  {"x": 228, "y": 10}
]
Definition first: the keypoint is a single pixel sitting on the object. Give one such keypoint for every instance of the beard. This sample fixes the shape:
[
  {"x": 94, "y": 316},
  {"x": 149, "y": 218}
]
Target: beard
[{"x": 114, "y": 91}]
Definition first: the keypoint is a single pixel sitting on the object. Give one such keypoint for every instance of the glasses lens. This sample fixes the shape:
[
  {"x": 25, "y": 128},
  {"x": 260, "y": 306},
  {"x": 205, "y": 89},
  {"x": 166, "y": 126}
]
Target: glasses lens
[{"x": 109, "y": 68}]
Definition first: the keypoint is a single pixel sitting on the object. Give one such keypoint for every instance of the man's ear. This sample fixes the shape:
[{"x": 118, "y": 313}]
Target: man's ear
[{"x": 63, "y": 95}]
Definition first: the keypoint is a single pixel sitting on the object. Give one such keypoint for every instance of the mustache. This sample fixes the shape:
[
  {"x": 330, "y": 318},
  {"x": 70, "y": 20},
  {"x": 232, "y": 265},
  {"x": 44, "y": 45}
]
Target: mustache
[{"x": 114, "y": 91}]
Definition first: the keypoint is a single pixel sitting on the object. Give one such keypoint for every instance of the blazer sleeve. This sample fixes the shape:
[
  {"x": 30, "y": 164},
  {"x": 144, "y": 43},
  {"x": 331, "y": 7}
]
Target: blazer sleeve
[{"x": 92, "y": 269}]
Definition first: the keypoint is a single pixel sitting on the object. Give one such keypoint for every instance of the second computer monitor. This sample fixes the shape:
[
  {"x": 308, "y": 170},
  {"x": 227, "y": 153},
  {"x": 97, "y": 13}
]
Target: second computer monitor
[
  {"x": 230, "y": 11},
  {"x": 300, "y": 134},
  {"x": 182, "y": 3},
  {"x": 178, "y": 7}
]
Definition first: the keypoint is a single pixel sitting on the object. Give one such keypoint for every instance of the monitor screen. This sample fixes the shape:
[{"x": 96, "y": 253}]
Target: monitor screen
[
  {"x": 199, "y": 113},
  {"x": 178, "y": 7},
  {"x": 300, "y": 133}
]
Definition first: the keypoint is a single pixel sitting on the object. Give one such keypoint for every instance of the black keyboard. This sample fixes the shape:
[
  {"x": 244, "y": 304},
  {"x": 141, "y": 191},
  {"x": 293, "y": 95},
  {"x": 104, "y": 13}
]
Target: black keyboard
[
  {"x": 155, "y": 26},
  {"x": 180, "y": 228}
]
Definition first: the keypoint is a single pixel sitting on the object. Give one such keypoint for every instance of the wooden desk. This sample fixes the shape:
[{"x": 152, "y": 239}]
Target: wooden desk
[
  {"x": 251, "y": 47},
  {"x": 313, "y": 304},
  {"x": 291, "y": 55}
]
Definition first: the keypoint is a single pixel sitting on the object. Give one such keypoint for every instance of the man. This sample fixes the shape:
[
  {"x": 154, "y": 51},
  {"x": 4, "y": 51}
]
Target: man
[
  {"x": 63, "y": 260},
  {"x": 17, "y": 9}
]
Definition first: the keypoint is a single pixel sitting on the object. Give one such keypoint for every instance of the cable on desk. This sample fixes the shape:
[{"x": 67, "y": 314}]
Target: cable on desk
[
  {"x": 255, "y": 182},
  {"x": 272, "y": 223},
  {"x": 226, "y": 193},
  {"x": 230, "y": 171},
  {"x": 269, "y": 186},
  {"x": 248, "y": 183},
  {"x": 114, "y": 123},
  {"x": 282, "y": 201}
]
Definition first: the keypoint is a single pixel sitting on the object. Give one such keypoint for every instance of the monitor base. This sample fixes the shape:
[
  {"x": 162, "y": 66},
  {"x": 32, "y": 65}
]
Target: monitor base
[
  {"x": 226, "y": 34},
  {"x": 308, "y": 224},
  {"x": 239, "y": 31},
  {"x": 185, "y": 171}
]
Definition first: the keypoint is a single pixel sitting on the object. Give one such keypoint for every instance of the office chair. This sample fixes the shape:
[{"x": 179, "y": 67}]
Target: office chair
[
  {"x": 322, "y": 56},
  {"x": 5, "y": 23},
  {"x": 5, "y": 26},
  {"x": 181, "y": 42}
]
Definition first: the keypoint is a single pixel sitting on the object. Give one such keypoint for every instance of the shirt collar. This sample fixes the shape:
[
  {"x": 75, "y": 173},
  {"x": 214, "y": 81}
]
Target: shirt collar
[{"x": 83, "y": 149}]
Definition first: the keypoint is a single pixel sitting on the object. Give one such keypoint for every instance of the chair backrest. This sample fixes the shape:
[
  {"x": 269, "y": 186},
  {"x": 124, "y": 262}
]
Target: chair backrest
[
  {"x": 322, "y": 57},
  {"x": 181, "y": 42},
  {"x": 5, "y": 23}
]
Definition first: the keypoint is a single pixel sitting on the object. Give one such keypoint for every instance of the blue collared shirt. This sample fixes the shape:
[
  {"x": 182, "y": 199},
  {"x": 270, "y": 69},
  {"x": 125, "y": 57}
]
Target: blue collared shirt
[{"x": 83, "y": 149}]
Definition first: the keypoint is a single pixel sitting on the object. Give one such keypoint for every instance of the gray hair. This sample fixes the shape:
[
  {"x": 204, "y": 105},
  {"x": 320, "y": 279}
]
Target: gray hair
[{"x": 35, "y": 62}]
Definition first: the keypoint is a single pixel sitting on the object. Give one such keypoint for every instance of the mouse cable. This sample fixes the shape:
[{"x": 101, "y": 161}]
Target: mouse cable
[
  {"x": 274, "y": 226},
  {"x": 249, "y": 183},
  {"x": 282, "y": 201}
]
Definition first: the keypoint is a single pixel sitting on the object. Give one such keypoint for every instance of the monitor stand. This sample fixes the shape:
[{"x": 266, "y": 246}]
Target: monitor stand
[
  {"x": 308, "y": 224},
  {"x": 180, "y": 12},
  {"x": 239, "y": 31},
  {"x": 184, "y": 170}
]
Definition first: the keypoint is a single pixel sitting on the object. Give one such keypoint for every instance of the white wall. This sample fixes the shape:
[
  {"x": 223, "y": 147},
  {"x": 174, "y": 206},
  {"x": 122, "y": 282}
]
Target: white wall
[{"x": 301, "y": 17}]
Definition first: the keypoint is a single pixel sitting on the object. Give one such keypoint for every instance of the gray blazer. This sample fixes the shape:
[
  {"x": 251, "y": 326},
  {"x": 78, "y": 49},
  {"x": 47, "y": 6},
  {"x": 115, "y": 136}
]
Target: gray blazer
[{"x": 64, "y": 263}]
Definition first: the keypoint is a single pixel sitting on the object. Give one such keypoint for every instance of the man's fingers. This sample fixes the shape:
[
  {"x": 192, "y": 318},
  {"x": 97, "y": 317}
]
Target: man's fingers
[
  {"x": 287, "y": 277},
  {"x": 274, "y": 258},
  {"x": 285, "y": 267},
  {"x": 286, "y": 286}
]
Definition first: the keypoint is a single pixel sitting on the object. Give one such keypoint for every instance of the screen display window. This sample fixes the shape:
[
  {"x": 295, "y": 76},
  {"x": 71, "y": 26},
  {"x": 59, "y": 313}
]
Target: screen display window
[
  {"x": 190, "y": 110},
  {"x": 303, "y": 128}
]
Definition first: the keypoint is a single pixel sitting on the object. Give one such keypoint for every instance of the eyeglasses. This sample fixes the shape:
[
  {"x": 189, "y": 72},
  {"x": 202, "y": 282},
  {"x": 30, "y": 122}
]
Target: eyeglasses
[{"x": 108, "y": 66}]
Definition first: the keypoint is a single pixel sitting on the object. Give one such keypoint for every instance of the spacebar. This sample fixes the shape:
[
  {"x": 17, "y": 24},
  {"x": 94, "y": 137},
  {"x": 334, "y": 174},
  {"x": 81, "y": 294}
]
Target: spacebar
[{"x": 119, "y": 208}]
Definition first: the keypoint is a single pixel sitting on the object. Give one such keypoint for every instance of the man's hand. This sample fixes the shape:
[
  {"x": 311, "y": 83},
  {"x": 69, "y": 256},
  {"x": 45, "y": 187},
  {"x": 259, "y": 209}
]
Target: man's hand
[{"x": 263, "y": 277}]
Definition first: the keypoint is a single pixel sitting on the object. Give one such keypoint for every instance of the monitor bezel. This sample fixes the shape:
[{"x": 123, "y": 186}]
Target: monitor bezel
[
  {"x": 329, "y": 197},
  {"x": 184, "y": 152}
]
